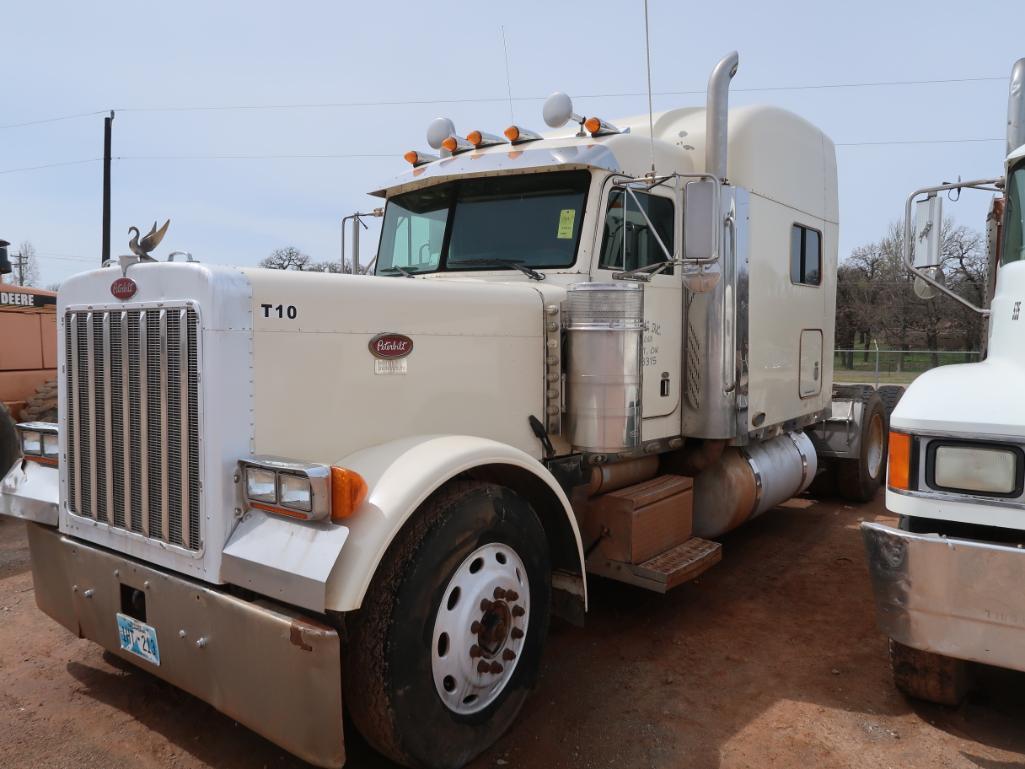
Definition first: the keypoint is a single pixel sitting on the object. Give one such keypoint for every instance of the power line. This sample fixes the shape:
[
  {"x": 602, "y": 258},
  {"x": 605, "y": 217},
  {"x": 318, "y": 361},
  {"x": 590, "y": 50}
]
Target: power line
[
  {"x": 913, "y": 141},
  {"x": 50, "y": 165},
  {"x": 356, "y": 156},
  {"x": 257, "y": 157},
  {"x": 53, "y": 119},
  {"x": 492, "y": 99}
]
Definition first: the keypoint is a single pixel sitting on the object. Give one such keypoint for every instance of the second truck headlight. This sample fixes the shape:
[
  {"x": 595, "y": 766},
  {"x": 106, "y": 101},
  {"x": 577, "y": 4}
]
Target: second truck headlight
[{"x": 986, "y": 469}]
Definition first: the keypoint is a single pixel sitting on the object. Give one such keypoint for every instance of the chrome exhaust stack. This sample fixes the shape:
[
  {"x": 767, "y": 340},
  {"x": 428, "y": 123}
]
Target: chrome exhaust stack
[
  {"x": 716, "y": 118},
  {"x": 1016, "y": 107}
]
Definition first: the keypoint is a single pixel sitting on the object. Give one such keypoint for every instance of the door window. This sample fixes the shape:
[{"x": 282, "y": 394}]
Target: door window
[{"x": 629, "y": 242}]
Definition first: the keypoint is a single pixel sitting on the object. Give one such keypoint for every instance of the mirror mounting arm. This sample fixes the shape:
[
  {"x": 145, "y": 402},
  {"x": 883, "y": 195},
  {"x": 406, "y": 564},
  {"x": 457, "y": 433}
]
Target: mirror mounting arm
[{"x": 992, "y": 185}]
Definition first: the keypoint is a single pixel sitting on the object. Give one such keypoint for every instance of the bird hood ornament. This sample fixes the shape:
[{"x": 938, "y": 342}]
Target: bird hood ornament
[
  {"x": 141, "y": 247},
  {"x": 151, "y": 240}
]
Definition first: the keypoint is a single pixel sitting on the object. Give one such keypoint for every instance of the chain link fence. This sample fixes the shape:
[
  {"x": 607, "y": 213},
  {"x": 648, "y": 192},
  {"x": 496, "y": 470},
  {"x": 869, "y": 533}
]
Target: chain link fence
[{"x": 879, "y": 366}]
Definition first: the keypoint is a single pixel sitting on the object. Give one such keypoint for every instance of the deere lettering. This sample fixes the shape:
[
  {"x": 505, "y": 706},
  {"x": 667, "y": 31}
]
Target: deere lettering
[{"x": 17, "y": 299}]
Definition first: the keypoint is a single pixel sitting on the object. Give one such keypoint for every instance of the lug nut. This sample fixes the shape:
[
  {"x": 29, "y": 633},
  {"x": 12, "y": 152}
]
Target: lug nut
[
  {"x": 511, "y": 595},
  {"x": 496, "y": 668},
  {"x": 475, "y": 628},
  {"x": 518, "y": 611},
  {"x": 508, "y": 655},
  {"x": 516, "y": 633},
  {"x": 483, "y": 667},
  {"x": 485, "y": 605},
  {"x": 499, "y": 593},
  {"x": 475, "y": 651}
]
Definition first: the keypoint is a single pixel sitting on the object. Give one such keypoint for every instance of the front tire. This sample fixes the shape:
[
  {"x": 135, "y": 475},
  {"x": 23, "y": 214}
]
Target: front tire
[
  {"x": 928, "y": 676},
  {"x": 447, "y": 644},
  {"x": 10, "y": 444}
]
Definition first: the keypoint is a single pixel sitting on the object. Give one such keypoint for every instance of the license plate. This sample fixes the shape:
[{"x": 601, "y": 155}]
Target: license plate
[{"x": 138, "y": 638}]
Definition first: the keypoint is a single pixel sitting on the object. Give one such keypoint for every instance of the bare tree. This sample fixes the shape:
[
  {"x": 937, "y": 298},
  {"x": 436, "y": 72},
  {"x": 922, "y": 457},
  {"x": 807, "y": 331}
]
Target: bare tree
[
  {"x": 288, "y": 258},
  {"x": 291, "y": 258},
  {"x": 876, "y": 300}
]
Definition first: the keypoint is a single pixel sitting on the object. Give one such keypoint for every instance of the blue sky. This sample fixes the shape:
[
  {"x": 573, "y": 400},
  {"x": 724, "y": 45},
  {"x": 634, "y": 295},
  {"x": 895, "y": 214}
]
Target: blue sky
[{"x": 64, "y": 58}]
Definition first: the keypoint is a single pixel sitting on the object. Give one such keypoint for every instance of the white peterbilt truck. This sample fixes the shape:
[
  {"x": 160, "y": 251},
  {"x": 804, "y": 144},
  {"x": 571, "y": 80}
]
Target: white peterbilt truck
[
  {"x": 947, "y": 579},
  {"x": 589, "y": 352}
]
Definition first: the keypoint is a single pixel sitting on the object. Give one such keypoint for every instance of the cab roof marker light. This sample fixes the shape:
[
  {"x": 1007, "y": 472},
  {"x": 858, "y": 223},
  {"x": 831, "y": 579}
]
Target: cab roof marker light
[
  {"x": 481, "y": 139},
  {"x": 518, "y": 135},
  {"x": 598, "y": 127},
  {"x": 455, "y": 145},
  {"x": 416, "y": 158}
]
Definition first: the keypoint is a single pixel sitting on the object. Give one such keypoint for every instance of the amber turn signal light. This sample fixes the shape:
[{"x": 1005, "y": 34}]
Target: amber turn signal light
[
  {"x": 348, "y": 492},
  {"x": 450, "y": 144},
  {"x": 412, "y": 157},
  {"x": 474, "y": 137},
  {"x": 592, "y": 125},
  {"x": 512, "y": 133},
  {"x": 900, "y": 461}
]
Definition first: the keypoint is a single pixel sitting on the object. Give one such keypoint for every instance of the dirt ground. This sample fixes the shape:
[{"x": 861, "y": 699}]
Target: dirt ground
[{"x": 771, "y": 659}]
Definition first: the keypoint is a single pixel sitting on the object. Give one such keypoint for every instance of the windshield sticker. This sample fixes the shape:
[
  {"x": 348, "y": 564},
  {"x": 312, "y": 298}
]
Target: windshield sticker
[{"x": 566, "y": 219}]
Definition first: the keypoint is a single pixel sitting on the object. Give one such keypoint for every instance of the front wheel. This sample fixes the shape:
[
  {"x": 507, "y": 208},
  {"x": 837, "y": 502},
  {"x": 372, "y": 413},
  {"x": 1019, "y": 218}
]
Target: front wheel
[
  {"x": 447, "y": 644},
  {"x": 928, "y": 676}
]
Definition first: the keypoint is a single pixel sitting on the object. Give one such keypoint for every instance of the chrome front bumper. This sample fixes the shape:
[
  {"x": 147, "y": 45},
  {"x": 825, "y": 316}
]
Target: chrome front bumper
[
  {"x": 269, "y": 668},
  {"x": 30, "y": 491},
  {"x": 955, "y": 597}
]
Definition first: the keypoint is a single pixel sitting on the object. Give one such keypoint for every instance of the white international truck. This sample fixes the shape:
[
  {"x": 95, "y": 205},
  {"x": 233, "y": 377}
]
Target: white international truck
[
  {"x": 589, "y": 352},
  {"x": 947, "y": 580}
]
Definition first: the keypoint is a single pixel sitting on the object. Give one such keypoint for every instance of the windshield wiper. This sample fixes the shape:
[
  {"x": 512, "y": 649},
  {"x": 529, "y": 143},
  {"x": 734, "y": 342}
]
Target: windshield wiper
[
  {"x": 395, "y": 268},
  {"x": 514, "y": 263}
]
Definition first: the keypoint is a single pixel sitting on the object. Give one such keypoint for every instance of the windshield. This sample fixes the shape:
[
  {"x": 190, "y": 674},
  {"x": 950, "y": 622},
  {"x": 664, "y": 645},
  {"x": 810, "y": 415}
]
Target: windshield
[
  {"x": 477, "y": 224},
  {"x": 1014, "y": 218}
]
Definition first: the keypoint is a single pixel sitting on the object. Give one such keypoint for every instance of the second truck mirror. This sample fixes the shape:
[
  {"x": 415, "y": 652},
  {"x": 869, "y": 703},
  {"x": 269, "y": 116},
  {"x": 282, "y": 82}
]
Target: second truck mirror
[
  {"x": 928, "y": 226},
  {"x": 700, "y": 221}
]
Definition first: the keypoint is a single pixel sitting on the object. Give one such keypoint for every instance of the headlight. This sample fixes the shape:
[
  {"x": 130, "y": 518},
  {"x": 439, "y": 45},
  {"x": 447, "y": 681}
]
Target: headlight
[
  {"x": 260, "y": 485},
  {"x": 296, "y": 492},
  {"x": 986, "y": 469},
  {"x": 302, "y": 490},
  {"x": 39, "y": 442},
  {"x": 31, "y": 443}
]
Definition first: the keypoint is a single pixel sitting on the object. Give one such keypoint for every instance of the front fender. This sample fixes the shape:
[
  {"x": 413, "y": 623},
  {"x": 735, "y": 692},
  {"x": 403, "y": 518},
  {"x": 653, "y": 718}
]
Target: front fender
[{"x": 400, "y": 475}]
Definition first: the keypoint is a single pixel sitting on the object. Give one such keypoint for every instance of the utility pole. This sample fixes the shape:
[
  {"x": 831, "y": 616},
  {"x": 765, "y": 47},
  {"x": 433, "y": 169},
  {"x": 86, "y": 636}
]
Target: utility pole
[
  {"x": 20, "y": 261},
  {"x": 107, "y": 124}
]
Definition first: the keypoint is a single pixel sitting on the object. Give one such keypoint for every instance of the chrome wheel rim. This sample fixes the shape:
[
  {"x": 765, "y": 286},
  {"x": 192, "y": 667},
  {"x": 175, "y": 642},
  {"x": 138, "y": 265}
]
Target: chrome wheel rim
[
  {"x": 874, "y": 456},
  {"x": 480, "y": 628}
]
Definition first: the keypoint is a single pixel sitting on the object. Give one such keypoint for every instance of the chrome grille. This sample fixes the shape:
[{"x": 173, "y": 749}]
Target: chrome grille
[{"x": 133, "y": 420}]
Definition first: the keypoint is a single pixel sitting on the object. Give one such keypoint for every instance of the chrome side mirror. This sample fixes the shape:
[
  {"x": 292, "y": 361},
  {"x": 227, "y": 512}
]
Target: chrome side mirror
[{"x": 701, "y": 221}]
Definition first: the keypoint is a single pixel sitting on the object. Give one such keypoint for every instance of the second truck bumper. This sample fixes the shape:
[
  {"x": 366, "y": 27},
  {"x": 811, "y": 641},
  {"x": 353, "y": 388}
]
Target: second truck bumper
[
  {"x": 955, "y": 597},
  {"x": 269, "y": 668}
]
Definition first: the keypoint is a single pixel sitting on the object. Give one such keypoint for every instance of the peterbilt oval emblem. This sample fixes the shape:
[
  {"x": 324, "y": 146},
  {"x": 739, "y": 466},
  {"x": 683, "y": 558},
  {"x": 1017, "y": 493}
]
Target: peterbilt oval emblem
[
  {"x": 123, "y": 288},
  {"x": 391, "y": 346}
]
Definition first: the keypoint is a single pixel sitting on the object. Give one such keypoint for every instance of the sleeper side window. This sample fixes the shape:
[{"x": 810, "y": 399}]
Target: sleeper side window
[
  {"x": 628, "y": 242},
  {"x": 805, "y": 256}
]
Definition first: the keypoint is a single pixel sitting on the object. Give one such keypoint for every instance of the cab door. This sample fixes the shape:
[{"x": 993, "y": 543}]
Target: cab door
[{"x": 628, "y": 241}]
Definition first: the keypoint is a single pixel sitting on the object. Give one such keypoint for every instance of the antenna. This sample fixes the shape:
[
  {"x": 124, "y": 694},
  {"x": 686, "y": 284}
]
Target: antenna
[
  {"x": 647, "y": 60},
  {"x": 508, "y": 84}
]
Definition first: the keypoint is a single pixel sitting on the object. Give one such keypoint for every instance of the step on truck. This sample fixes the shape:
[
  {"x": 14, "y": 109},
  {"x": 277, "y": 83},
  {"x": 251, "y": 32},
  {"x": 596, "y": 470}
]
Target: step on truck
[
  {"x": 947, "y": 578},
  {"x": 588, "y": 352}
]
